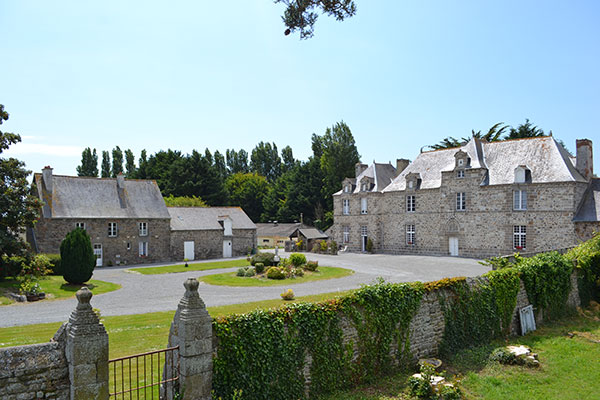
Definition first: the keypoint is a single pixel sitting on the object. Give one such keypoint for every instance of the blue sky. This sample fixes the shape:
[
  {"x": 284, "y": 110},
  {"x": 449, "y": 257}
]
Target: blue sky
[{"x": 195, "y": 74}]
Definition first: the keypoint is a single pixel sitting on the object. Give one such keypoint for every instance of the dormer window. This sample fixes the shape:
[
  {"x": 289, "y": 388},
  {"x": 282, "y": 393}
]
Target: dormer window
[
  {"x": 363, "y": 187},
  {"x": 347, "y": 189},
  {"x": 522, "y": 174},
  {"x": 461, "y": 162},
  {"x": 411, "y": 184}
]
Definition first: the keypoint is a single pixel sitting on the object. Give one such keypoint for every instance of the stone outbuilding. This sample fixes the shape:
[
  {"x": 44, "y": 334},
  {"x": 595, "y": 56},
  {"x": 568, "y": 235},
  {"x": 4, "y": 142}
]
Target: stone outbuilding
[
  {"x": 309, "y": 236},
  {"x": 210, "y": 232},
  {"x": 274, "y": 233}
]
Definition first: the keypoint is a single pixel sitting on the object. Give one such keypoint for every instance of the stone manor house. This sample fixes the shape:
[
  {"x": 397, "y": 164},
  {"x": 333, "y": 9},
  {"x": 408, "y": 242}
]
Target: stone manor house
[
  {"x": 480, "y": 200},
  {"x": 128, "y": 222}
]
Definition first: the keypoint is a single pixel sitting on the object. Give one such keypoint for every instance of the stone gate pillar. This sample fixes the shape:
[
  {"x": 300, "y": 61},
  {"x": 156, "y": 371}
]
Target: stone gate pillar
[
  {"x": 191, "y": 330},
  {"x": 87, "y": 351}
]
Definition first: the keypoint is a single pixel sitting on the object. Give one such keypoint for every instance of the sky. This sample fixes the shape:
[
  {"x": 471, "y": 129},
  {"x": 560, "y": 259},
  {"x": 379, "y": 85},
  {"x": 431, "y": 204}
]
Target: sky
[{"x": 191, "y": 75}]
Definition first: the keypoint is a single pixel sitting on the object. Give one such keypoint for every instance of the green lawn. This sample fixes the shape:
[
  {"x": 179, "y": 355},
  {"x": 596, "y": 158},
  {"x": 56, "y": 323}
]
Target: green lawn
[
  {"x": 191, "y": 267},
  {"x": 131, "y": 334},
  {"x": 55, "y": 287},
  {"x": 231, "y": 279}
]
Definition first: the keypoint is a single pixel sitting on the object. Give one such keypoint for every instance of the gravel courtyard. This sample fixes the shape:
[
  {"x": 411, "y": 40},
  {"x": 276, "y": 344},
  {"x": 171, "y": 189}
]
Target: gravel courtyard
[{"x": 150, "y": 293}]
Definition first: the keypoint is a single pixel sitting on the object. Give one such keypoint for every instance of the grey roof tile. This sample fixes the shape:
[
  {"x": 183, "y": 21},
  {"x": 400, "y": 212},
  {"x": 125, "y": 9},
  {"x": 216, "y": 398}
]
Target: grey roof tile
[
  {"x": 589, "y": 210},
  {"x": 207, "y": 218}
]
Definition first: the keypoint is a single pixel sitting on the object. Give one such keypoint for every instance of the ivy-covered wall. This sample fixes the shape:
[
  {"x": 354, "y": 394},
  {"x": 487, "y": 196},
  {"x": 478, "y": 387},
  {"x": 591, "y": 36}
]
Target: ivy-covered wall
[{"x": 305, "y": 350}]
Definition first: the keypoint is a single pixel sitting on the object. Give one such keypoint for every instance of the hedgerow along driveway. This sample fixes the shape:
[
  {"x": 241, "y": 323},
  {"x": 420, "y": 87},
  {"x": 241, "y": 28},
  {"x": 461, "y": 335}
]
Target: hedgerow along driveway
[{"x": 150, "y": 293}]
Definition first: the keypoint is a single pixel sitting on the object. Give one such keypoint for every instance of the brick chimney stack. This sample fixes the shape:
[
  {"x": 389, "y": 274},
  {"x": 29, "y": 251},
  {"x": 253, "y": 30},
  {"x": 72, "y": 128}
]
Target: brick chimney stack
[
  {"x": 585, "y": 161},
  {"x": 359, "y": 168},
  {"x": 401, "y": 164},
  {"x": 120, "y": 181},
  {"x": 47, "y": 178}
]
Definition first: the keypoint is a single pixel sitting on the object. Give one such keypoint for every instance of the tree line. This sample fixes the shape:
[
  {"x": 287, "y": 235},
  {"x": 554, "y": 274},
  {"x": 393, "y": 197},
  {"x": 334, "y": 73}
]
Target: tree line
[{"x": 269, "y": 185}]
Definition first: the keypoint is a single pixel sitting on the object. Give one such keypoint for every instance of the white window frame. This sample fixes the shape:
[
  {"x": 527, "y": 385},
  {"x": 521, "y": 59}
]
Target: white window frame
[
  {"x": 363, "y": 205},
  {"x": 411, "y": 184},
  {"x": 460, "y": 173},
  {"x": 113, "y": 229},
  {"x": 346, "y": 234},
  {"x": 347, "y": 189},
  {"x": 143, "y": 228},
  {"x": 80, "y": 225},
  {"x": 410, "y": 235},
  {"x": 520, "y": 200},
  {"x": 461, "y": 201},
  {"x": 143, "y": 249},
  {"x": 411, "y": 203},
  {"x": 461, "y": 162},
  {"x": 519, "y": 237},
  {"x": 346, "y": 206},
  {"x": 364, "y": 231}
]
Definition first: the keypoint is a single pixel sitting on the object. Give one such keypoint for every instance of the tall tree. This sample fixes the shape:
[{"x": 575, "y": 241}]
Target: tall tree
[
  {"x": 105, "y": 173},
  {"x": 89, "y": 163},
  {"x": 247, "y": 191},
  {"x": 19, "y": 207},
  {"x": 287, "y": 156},
  {"x": 237, "y": 161},
  {"x": 494, "y": 134},
  {"x": 220, "y": 166},
  {"x": 141, "y": 173},
  {"x": 130, "y": 163},
  {"x": 301, "y": 15},
  {"x": 525, "y": 130},
  {"x": 117, "y": 162},
  {"x": 265, "y": 161}
]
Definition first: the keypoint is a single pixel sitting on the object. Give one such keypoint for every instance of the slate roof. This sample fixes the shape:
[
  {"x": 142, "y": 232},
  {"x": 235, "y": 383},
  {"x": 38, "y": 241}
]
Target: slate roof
[
  {"x": 382, "y": 175},
  {"x": 312, "y": 233},
  {"x": 207, "y": 218},
  {"x": 547, "y": 160},
  {"x": 83, "y": 197},
  {"x": 589, "y": 210},
  {"x": 279, "y": 229}
]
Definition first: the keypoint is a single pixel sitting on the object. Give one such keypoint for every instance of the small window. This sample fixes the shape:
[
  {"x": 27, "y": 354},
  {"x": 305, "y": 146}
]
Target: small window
[
  {"x": 143, "y": 228},
  {"x": 346, "y": 235},
  {"x": 461, "y": 162},
  {"x": 265, "y": 240},
  {"x": 460, "y": 173},
  {"x": 520, "y": 237},
  {"x": 363, "y": 230},
  {"x": 80, "y": 225},
  {"x": 363, "y": 205},
  {"x": 520, "y": 200},
  {"x": 128, "y": 246},
  {"x": 112, "y": 229},
  {"x": 461, "y": 201},
  {"x": 347, "y": 189},
  {"x": 143, "y": 249},
  {"x": 346, "y": 207},
  {"x": 411, "y": 204},
  {"x": 410, "y": 235},
  {"x": 410, "y": 184}
]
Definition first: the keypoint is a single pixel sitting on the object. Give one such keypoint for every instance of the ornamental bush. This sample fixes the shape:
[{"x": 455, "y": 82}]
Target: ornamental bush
[
  {"x": 241, "y": 271},
  {"x": 77, "y": 257},
  {"x": 265, "y": 258},
  {"x": 586, "y": 258},
  {"x": 55, "y": 264},
  {"x": 259, "y": 267},
  {"x": 311, "y": 266},
  {"x": 276, "y": 273},
  {"x": 250, "y": 273},
  {"x": 297, "y": 259}
]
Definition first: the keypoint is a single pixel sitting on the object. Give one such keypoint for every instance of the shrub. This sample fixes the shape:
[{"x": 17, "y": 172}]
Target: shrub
[
  {"x": 298, "y": 272},
  {"x": 241, "y": 271},
  {"x": 586, "y": 258},
  {"x": 265, "y": 258},
  {"x": 77, "y": 255},
  {"x": 323, "y": 246},
  {"x": 275, "y": 273},
  {"x": 55, "y": 264},
  {"x": 333, "y": 248},
  {"x": 12, "y": 266},
  {"x": 311, "y": 266},
  {"x": 259, "y": 268},
  {"x": 297, "y": 259},
  {"x": 316, "y": 247},
  {"x": 369, "y": 245},
  {"x": 250, "y": 272},
  {"x": 287, "y": 295}
]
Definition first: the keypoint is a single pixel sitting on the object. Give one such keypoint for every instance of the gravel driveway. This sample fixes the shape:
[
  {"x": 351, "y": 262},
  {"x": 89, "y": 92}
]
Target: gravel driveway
[{"x": 150, "y": 293}]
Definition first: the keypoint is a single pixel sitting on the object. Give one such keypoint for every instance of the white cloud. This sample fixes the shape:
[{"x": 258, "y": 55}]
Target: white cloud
[{"x": 45, "y": 149}]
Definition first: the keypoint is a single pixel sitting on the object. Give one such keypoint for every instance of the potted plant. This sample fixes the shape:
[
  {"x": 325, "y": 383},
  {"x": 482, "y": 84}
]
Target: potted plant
[{"x": 186, "y": 262}]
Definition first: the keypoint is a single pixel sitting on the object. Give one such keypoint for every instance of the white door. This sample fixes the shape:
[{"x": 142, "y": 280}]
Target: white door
[
  {"x": 227, "y": 248},
  {"x": 98, "y": 254},
  {"x": 188, "y": 250},
  {"x": 453, "y": 245}
]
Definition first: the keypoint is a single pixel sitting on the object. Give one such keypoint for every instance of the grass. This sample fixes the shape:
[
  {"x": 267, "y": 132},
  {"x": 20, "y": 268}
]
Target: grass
[
  {"x": 55, "y": 287},
  {"x": 169, "y": 269},
  {"x": 231, "y": 279},
  {"x": 131, "y": 334}
]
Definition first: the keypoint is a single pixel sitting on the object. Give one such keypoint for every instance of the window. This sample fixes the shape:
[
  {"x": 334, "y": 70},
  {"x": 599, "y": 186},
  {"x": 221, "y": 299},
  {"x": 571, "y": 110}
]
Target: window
[
  {"x": 143, "y": 249},
  {"x": 80, "y": 225},
  {"x": 143, "y": 227},
  {"x": 461, "y": 201},
  {"x": 519, "y": 237},
  {"x": 460, "y": 162},
  {"x": 128, "y": 246},
  {"x": 363, "y": 230},
  {"x": 112, "y": 229},
  {"x": 410, "y": 203},
  {"x": 347, "y": 189},
  {"x": 410, "y": 184},
  {"x": 460, "y": 173},
  {"x": 363, "y": 205},
  {"x": 410, "y": 235},
  {"x": 520, "y": 200},
  {"x": 346, "y": 206},
  {"x": 346, "y": 234}
]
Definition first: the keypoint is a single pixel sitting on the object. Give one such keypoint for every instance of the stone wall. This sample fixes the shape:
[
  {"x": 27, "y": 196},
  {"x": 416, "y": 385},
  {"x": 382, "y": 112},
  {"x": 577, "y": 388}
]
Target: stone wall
[
  {"x": 484, "y": 229},
  {"x": 209, "y": 243},
  {"x": 122, "y": 249}
]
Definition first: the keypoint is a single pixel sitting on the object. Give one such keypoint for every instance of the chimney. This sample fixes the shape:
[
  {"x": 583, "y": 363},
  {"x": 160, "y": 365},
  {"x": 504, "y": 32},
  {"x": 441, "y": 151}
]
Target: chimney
[
  {"x": 47, "y": 178},
  {"x": 359, "y": 168},
  {"x": 401, "y": 164},
  {"x": 585, "y": 161},
  {"x": 120, "y": 181}
]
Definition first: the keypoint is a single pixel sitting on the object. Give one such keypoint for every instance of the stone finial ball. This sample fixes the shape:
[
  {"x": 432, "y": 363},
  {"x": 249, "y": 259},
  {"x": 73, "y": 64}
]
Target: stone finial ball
[
  {"x": 191, "y": 284},
  {"x": 84, "y": 295}
]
